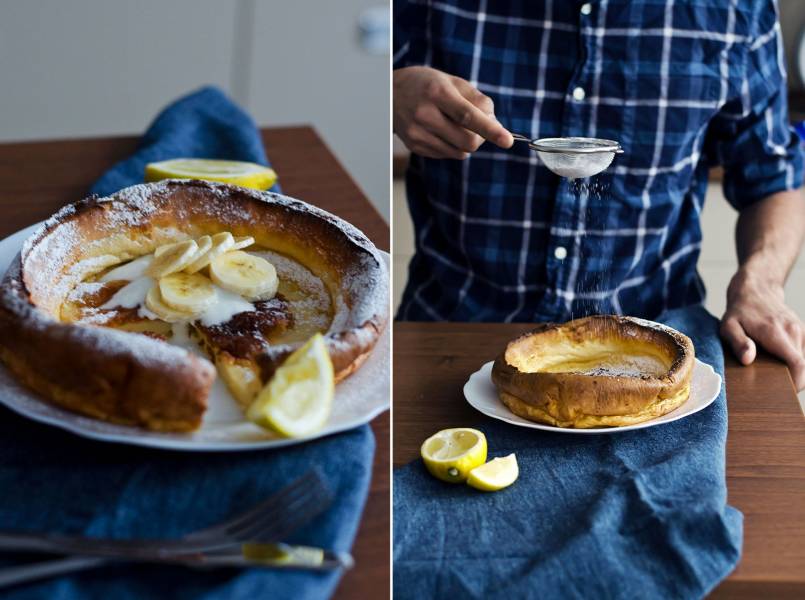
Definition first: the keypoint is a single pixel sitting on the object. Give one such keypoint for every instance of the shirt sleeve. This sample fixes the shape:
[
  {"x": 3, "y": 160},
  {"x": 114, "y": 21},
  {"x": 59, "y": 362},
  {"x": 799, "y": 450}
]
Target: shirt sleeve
[
  {"x": 410, "y": 37},
  {"x": 759, "y": 150}
]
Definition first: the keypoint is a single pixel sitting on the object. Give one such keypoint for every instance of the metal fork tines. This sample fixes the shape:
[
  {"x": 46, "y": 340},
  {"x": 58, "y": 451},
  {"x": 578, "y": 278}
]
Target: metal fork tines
[
  {"x": 270, "y": 521},
  {"x": 276, "y": 518}
]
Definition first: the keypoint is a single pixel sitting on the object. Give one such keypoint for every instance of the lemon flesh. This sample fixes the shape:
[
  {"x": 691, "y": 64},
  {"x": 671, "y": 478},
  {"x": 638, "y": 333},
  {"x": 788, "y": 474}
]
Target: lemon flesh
[
  {"x": 495, "y": 475},
  {"x": 298, "y": 399},
  {"x": 245, "y": 174},
  {"x": 451, "y": 454}
]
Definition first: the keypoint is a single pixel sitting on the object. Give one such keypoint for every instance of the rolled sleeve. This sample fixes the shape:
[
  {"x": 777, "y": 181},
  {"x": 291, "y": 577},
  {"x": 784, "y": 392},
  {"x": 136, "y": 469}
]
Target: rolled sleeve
[
  {"x": 760, "y": 151},
  {"x": 410, "y": 38}
]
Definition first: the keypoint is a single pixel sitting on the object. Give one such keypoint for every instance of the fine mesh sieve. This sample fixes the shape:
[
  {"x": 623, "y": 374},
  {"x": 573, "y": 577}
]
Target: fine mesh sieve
[{"x": 574, "y": 157}]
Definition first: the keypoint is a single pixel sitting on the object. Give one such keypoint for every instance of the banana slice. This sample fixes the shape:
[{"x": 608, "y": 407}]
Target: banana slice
[
  {"x": 154, "y": 303},
  {"x": 242, "y": 242},
  {"x": 250, "y": 276},
  {"x": 164, "y": 248},
  {"x": 204, "y": 245},
  {"x": 221, "y": 242},
  {"x": 174, "y": 258},
  {"x": 187, "y": 293}
]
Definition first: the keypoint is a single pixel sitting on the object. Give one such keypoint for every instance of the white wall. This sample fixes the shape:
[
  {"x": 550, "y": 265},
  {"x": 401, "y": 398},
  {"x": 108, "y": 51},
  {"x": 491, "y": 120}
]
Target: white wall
[{"x": 99, "y": 67}]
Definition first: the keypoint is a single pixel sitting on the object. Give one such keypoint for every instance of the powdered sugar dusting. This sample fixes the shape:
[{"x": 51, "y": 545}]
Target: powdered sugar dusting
[
  {"x": 310, "y": 303},
  {"x": 628, "y": 366},
  {"x": 49, "y": 257}
]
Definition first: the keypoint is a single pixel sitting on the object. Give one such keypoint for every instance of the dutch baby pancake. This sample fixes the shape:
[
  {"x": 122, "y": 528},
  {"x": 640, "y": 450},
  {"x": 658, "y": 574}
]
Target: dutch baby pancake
[
  {"x": 600, "y": 371},
  {"x": 97, "y": 310}
]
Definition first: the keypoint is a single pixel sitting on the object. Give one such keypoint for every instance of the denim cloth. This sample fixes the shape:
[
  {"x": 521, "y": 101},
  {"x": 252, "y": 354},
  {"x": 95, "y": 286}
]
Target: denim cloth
[
  {"x": 639, "y": 514},
  {"x": 203, "y": 124},
  {"x": 56, "y": 482},
  {"x": 681, "y": 85}
]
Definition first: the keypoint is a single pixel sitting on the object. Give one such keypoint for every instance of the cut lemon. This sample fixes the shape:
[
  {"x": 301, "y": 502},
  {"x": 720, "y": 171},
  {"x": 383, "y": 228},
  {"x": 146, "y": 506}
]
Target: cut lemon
[
  {"x": 298, "y": 399},
  {"x": 246, "y": 174},
  {"x": 495, "y": 475},
  {"x": 451, "y": 454}
]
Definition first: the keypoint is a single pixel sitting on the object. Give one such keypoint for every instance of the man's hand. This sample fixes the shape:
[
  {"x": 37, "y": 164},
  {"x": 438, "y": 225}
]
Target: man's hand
[
  {"x": 440, "y": 116},
  {"x": 757, "y": 313},
  {"x": 769, "y": 238}
]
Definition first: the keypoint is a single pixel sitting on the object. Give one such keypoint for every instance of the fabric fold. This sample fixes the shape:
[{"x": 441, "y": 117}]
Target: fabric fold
[
  {"x": 202, "y": 124},
  {"x": 623, "y": 515},
  {"x": 56, "y": 482}
]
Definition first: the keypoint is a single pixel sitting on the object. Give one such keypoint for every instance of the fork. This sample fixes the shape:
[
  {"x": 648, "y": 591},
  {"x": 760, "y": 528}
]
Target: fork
[{"x": 272, "y": 520}]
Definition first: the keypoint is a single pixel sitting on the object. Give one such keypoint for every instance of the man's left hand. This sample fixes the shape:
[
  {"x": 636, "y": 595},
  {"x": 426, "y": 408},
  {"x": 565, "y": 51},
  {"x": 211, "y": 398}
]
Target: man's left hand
[{"x": 757, "y": 315}]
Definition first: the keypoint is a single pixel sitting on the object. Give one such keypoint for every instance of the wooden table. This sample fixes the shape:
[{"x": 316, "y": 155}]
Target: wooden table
[
  {"x": 765, "y": 445},
  {"x": 36, "y": 178}
]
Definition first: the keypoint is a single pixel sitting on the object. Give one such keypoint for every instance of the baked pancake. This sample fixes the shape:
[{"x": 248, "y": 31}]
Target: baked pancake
[
  {"x": 98, "y": 309},
  {"x": 600, "y": 371}
]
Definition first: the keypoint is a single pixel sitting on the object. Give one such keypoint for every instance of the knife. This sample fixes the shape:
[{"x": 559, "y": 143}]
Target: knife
[{"x": 247, "y": 555}]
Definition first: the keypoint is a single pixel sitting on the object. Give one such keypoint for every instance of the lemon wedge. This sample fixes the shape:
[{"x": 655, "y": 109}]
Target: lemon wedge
[
  {"x": 298, "y": 399},
  {"x": 495, "y": 475},
  {"x": 451, "y": 454},
  {"x": 246, "y": 174}
]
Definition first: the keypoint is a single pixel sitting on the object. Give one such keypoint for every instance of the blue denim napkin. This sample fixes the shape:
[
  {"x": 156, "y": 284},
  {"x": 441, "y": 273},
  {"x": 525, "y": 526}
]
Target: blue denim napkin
[
  {"x": 203, "y": 124},
  {"x": 639, "y": 514},
  {"x": 56, "y": 482}
]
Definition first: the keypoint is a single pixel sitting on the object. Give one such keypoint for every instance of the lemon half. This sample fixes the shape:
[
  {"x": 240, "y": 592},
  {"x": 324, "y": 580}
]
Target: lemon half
[
  {"x": 246, "y": 174},
  {"x": 495, "y": 475},
  {"x": 451, "y": 454},
  {"x": 298, "y": 399}
]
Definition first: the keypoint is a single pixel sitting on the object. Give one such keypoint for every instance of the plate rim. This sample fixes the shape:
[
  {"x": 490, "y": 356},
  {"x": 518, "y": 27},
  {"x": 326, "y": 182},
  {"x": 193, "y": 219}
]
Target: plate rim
[
  {"x": 144, "y": 438},
  {"x": 595, "y": 430},
  {"x": 136, "y": 438}
]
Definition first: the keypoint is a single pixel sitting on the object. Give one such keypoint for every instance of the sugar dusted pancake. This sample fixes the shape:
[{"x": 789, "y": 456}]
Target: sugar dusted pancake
[
  {"x": 600, "y": 371},
  {"x": 94, "y": 345}
]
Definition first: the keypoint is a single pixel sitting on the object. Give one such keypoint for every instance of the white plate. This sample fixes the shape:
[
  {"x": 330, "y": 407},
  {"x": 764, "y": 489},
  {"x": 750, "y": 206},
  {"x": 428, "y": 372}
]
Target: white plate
[
  {"x": 358, "y": 400},
  {"x": 482, "y": 395}
]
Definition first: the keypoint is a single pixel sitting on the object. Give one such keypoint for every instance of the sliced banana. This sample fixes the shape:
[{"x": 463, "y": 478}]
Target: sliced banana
[
  {"x": 174, "y": 258},
  {"x": 220, "y": 243},
  {"x": 242, "y": 242},
  {"x": 250, "y": 276},
  {"x": 204, "y": 245},
  {"x": 164, "y": 248},
  {"x": 154, "y": 303},
  {"x": 187, "y": 293}
]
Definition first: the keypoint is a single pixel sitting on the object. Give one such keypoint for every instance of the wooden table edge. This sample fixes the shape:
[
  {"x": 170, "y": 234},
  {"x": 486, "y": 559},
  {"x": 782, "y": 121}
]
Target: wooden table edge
[
  {"x": 740, "y": 587},
  {"x": 350, "y": 585}
]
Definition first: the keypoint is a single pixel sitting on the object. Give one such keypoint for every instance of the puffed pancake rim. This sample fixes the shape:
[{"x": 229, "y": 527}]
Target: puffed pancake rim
[
  {"x": 130, "y": 378},
  {"x": 600, "y": 371}
]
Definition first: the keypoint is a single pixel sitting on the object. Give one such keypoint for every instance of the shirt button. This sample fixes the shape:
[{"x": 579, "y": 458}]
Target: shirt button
[
  {"x": 560, "y": 252},
  {"x": 586, "y": 9},
  {"x": 579, "y": 94}
]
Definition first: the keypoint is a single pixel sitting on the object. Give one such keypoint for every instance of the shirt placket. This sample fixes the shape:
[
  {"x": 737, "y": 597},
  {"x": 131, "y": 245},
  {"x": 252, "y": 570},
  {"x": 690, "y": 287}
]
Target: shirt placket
[{"x": 564, "y": 244}]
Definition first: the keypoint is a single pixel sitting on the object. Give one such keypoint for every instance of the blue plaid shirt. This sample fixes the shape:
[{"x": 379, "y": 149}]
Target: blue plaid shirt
[{"x": 682, "y": 85}]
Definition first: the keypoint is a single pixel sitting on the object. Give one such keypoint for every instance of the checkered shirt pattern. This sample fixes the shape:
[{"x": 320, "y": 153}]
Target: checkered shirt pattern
[{"x": 682, "y": 85}]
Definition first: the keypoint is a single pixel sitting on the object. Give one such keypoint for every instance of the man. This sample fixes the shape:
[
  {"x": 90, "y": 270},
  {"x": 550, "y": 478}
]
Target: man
[{"x": 681, "y": 85}]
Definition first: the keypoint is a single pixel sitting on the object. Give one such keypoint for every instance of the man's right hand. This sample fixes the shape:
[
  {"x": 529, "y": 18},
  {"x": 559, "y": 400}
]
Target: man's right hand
[{"x": 440, "y": 116}]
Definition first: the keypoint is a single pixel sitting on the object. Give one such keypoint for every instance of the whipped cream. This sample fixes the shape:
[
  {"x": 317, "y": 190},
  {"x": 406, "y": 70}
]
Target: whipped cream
[
  {"x": 227, "y": 305},
  {"x": 132, "y": 295},
  {"x": 129, "y": 271}
]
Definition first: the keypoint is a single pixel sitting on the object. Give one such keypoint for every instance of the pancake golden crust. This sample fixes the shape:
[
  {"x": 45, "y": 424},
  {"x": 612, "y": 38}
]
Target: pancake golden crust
[
  {"x": 135, "y": 379},
  {"x": 600, "y": 371}
]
